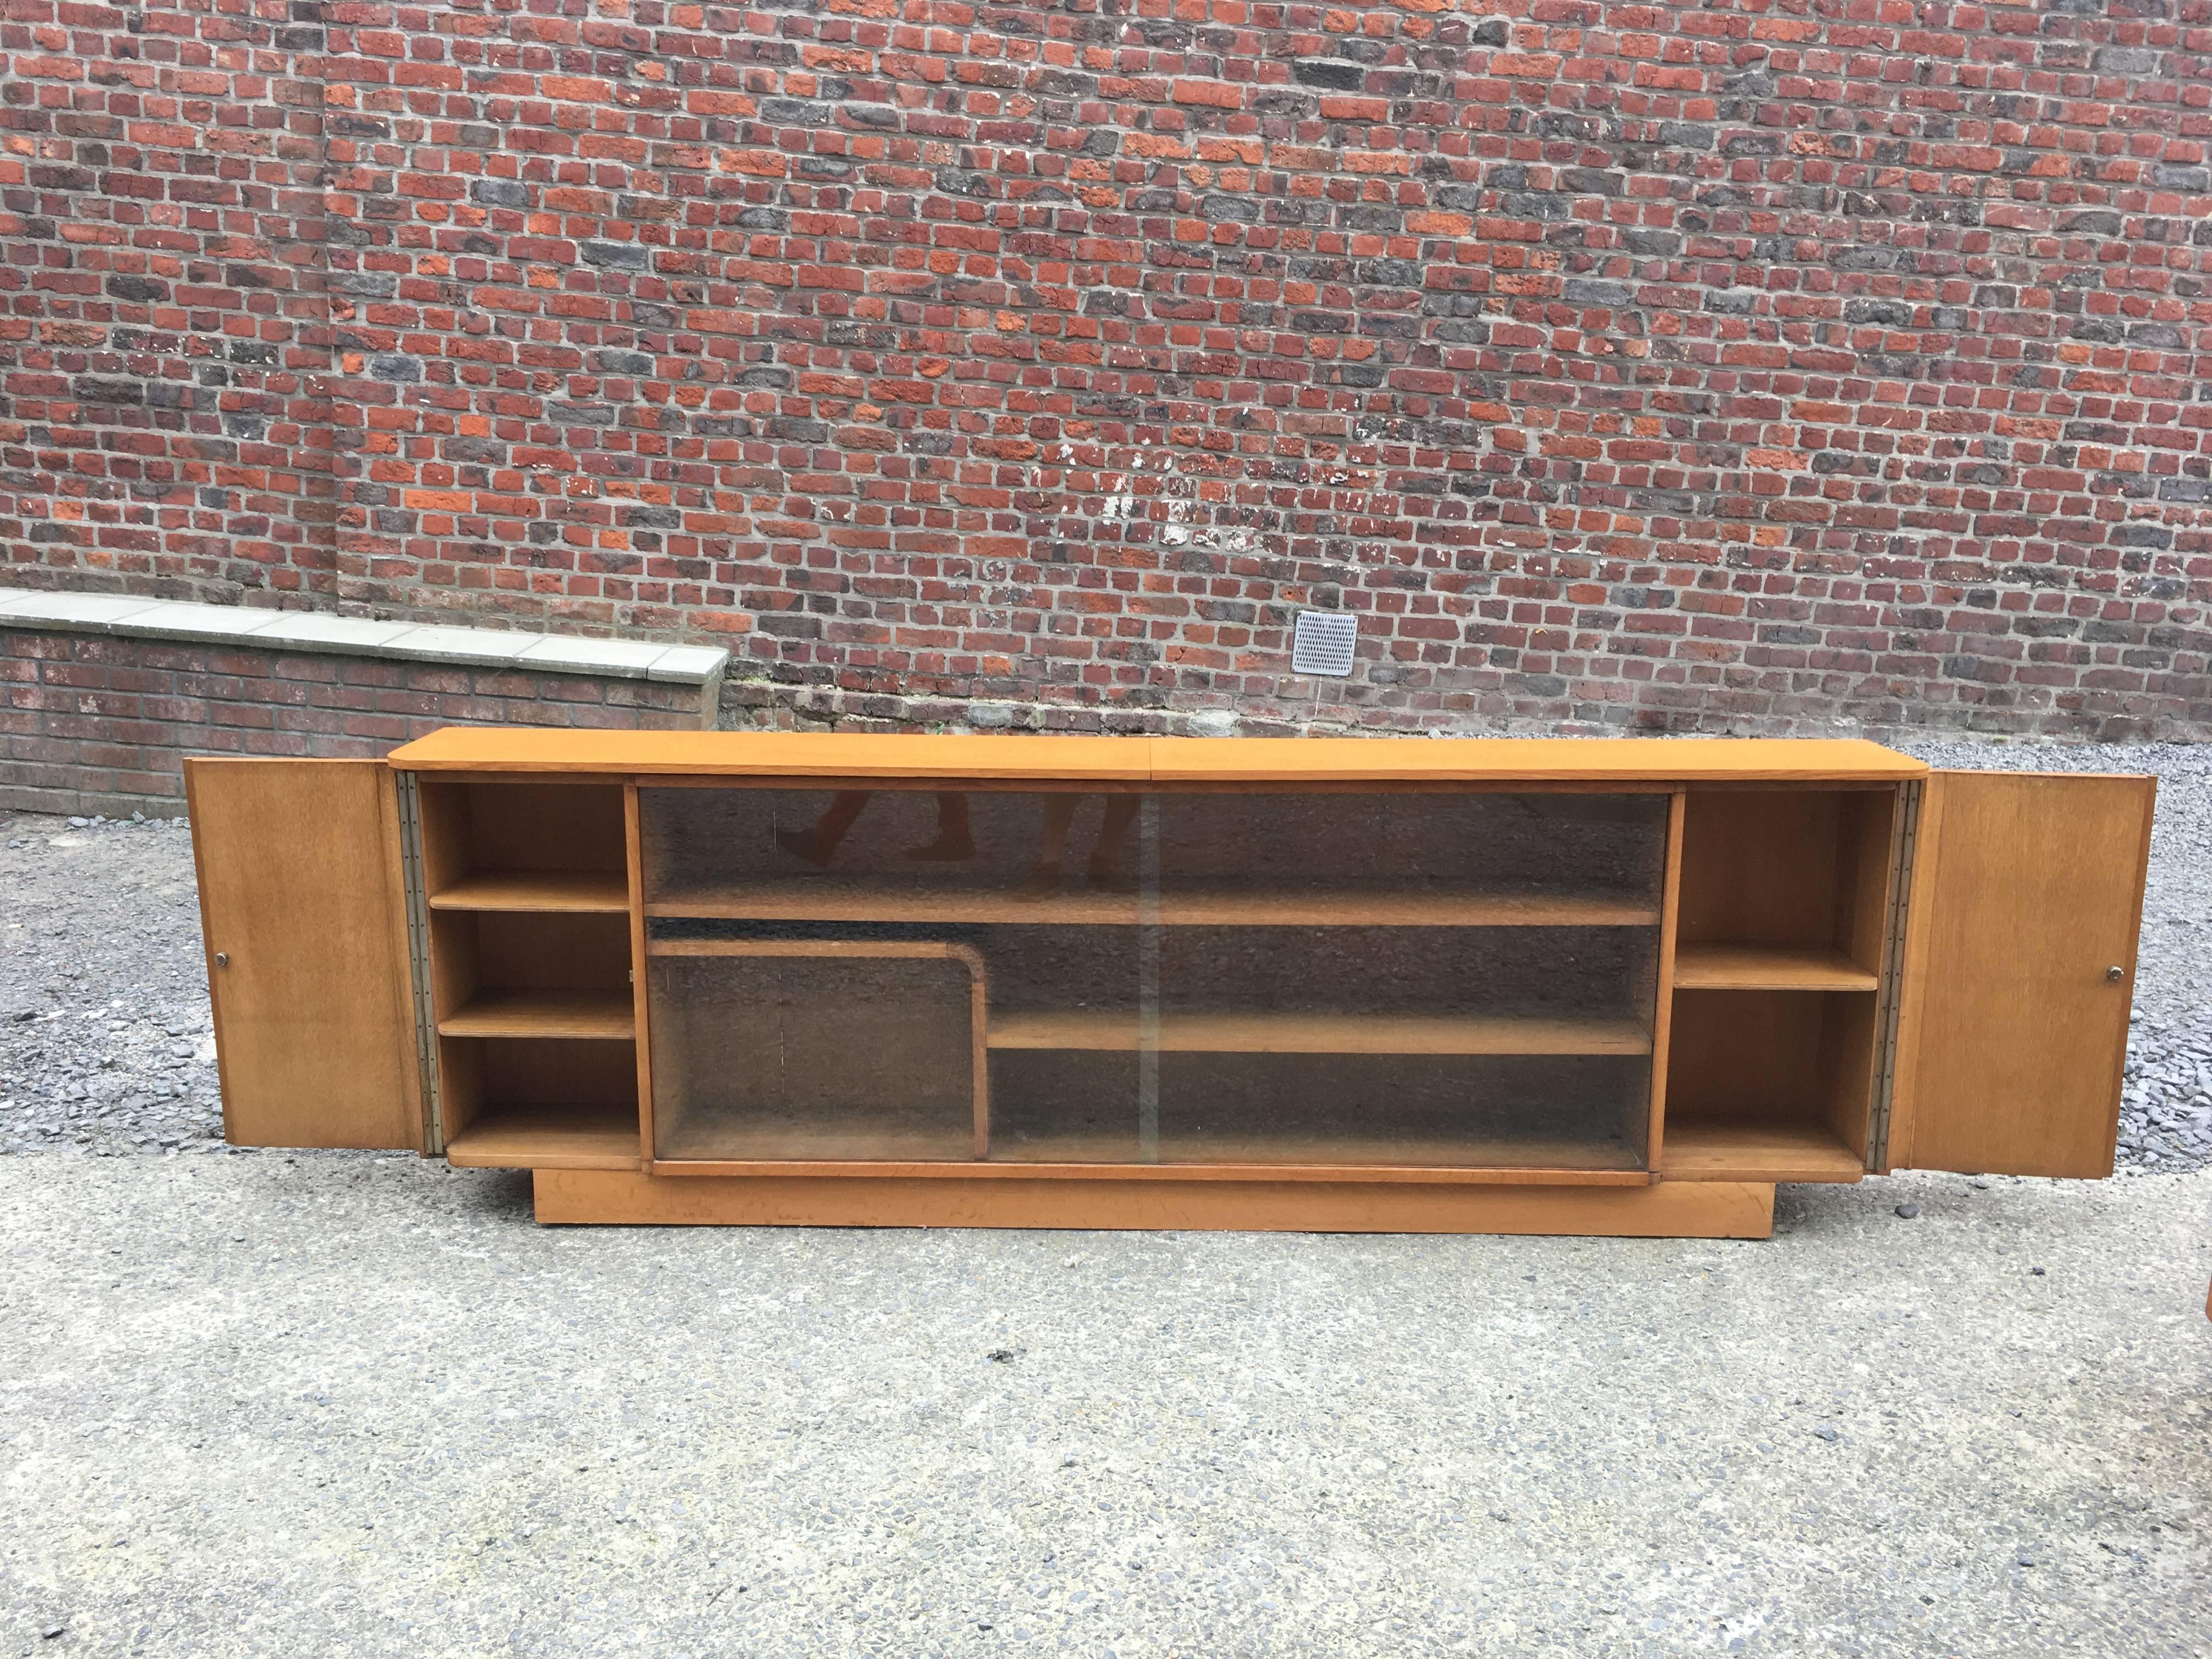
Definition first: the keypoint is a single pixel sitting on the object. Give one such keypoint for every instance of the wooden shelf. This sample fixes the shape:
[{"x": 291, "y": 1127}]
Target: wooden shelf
[
  {"x": 589, "y": 892},
  {"x": 844, "y": 899},
  {"x": 1561, "y": 1162},
  {"x": 1768, "y": 968},
  {"x": 886, "y": 1137},
  {"x": 568, "y": 1137},
  {"x": 1323, "y": 1034},
  {"x": 885, "y": 1142},
  {"x": 1730, "y": 1149},
  {"x": 596, "y": 1014}
]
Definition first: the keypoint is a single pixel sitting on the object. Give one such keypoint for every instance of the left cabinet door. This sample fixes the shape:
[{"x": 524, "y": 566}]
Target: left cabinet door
[{"x": 304, "y": 911}]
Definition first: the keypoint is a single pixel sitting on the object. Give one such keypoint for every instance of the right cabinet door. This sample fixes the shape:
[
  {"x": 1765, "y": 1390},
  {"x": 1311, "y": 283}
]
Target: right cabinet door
[{"x": 2020, "y": 967}]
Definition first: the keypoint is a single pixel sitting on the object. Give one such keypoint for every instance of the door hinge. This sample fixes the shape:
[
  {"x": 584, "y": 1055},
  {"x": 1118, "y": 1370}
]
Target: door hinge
[
  {"x": 418, "y": 961},
  {"x": 1905, "y": 836}
]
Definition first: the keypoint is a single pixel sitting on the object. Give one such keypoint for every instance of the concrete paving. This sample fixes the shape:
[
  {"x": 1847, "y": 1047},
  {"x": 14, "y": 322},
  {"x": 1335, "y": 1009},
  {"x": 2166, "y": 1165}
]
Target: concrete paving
[{"x": 306, "y": 1404}]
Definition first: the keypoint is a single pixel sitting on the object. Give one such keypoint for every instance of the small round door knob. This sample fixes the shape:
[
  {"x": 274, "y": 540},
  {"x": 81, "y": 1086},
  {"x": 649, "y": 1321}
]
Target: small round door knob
[
  {"x": 223, "y": 960},
  {"x": 2115, "y": 973}
]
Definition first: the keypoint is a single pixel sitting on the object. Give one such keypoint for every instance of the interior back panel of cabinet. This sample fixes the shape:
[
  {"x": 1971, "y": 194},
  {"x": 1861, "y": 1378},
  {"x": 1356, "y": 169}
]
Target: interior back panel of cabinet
[
  {"x": 1417, "y": 844},
  {"x": 540, "y": 950},
  {"x": 1759, "y": 867},
  {"x": 1502, "y": 1111},
  {"x": 1790, "y": 1056},
  {"x": 698, "y": 839},
  {"x": 811, "y": 1057},
  {"x": 520, "y": 826},
  {"x": 1611, "y": 845}
]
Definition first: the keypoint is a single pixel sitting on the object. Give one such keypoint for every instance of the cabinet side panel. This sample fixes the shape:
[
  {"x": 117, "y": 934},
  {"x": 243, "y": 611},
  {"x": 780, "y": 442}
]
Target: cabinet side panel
[
  {"x": 1846, "y": 1068},
  {"x": 303, "y": 908},
  {"x": 1865, "y": 852},
  {"x": 2024, "y": 919}
]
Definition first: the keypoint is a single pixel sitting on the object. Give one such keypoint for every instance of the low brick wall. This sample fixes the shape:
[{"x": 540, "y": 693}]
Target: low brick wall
[{"x": 100, "y": 721}]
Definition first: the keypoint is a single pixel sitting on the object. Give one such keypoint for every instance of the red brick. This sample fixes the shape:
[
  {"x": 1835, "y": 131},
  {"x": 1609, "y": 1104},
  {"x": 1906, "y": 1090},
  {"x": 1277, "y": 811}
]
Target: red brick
[{"x": 1283, "y": 331}]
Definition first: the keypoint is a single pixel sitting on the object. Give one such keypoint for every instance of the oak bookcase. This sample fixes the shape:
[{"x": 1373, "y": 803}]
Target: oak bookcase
[{"x": 1612, "y": 986}]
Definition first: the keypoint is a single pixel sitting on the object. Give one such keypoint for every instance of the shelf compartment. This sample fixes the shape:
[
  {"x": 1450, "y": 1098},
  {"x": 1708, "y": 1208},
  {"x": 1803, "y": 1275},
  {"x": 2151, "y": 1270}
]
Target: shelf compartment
[
  {"x": 593, "y": 892},
  {"x": 1729, "y": 967},
  {"x": 1536, "y": 1161},
  {"x": 818, "y": 1050},
  {"x": 595, "y": 1014},
  {"x": 833, "y": 899},
  {"x": 799, "y": 1137},
  {"x": 1793, "y": 1064},
  {"x": 1318, "y": 1111},
  {"x": 1745, "y": 1149},
  {"x": 574, "y": 1136},
  {"x": 1504, "y": 1173},
  {"x": 1320, "y": 1034}
]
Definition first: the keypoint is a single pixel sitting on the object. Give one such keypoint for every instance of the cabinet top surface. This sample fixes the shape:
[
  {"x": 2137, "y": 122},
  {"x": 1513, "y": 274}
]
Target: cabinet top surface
[{"x": 495, "y": 749}]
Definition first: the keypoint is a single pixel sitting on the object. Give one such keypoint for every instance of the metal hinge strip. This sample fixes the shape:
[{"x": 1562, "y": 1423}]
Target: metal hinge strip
[
  {"x": 1904, "y": 839},
  {"x": 418, "y": 961}
]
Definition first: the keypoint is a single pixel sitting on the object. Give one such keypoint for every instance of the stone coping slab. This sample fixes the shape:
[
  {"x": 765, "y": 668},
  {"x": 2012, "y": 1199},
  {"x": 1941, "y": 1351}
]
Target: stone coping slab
[{"x": 310, "y": 630}]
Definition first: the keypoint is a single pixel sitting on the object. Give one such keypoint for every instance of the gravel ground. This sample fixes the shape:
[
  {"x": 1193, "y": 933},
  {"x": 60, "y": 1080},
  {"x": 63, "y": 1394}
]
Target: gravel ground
[
  {"x": 106, "y": 1042},
  {"x": 358, "y": 1406},
  {"x": 105, "y": 1047}
]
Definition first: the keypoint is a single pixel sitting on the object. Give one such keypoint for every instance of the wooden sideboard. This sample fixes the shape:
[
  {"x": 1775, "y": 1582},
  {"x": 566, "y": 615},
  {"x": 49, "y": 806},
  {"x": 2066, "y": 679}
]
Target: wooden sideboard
[{"x": 1617, "y": 987}]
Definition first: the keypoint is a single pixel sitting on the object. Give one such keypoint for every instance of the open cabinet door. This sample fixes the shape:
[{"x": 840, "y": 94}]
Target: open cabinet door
[
  {"x": 2020, "y": 956},
  {"x": 303, "y": 909}
]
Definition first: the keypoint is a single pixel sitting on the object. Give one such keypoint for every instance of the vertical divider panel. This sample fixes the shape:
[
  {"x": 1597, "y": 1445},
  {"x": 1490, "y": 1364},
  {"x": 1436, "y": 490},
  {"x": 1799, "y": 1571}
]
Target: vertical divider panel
[
  {"x": 453, "y": 980},
  {"x": 640, "y": 978},
  {"x": 978, "y": 1039},
  {"x": 1662, "y": 1016}
]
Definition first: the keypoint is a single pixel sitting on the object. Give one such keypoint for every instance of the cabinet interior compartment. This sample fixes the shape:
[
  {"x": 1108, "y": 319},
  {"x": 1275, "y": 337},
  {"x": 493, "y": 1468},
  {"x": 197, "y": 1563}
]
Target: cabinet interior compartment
[
  {"x": 1583, "y": 1113},
  {"x": 536, "y": 1062},
  {"x": 1021, "y": 858},
  {"x": 886, "y": 855},
  {"x": 1769, "y": 1084},
  {"x": 527, "y": 887},
  {"x": 1450, "y": 859},
  {"x": 814, "y": 1049},
  {"x": 520, "y": 1103},
  {"x": 1783, "y": 889},
  {"x": 525, "y": 847},
  {"x": 1450, "y": 980},
  {"x": 1504, "y": 1048},
  {"x": 1780, "y": 938},
  {"x": 525, "y": 974}
]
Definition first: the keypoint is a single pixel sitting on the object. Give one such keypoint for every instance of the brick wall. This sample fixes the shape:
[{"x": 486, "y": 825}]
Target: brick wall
[
  {"x": 1756, "y": 366},
  {"x": 100, "y": 723}
]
